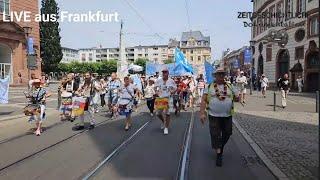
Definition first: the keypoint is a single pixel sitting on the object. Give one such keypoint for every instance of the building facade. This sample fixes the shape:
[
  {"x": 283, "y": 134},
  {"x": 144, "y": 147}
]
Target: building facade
[
  {"x": 69, "y": 55},
  {"x": 300, "y": 55},
  {"x": 196, "y": 47},
  {"x": 234, "y": 60},
  {"x": 13, "y": 56}
]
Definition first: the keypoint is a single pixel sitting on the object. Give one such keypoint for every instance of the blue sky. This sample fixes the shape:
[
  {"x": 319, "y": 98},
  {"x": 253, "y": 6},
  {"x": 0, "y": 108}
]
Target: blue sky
[{"x": 215, "y": 18}]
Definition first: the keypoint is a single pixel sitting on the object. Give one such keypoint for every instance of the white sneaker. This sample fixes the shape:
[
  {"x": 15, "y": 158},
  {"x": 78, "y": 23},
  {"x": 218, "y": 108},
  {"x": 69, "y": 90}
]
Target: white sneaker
[
  {"x": 151, "y": 114},
  {"x": 165, "y": 131},
  {"x": 162, "y": 126}
]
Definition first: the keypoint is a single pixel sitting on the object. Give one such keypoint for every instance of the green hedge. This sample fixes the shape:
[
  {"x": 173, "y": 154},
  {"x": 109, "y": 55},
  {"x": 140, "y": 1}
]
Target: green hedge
[{"x": 105, "y": 67}]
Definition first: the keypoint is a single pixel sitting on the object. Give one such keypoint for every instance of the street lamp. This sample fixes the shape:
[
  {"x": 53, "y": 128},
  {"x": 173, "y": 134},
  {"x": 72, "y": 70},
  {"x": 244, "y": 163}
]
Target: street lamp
[
  {"x": 27, "y": 31},
  {"x": 252, "y": 43}
]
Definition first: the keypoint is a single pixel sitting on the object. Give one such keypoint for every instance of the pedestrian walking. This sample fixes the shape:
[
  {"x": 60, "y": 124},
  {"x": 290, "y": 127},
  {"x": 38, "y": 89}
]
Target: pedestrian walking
[
  {"x": 264, "y": 84},
  {"x": 38, "y": 99},
  {"x": 113, "y": 93},
  {"x": 103, "y": 92},
  {"x": 125, "y": 103},
  {"x": 149, "y": 96},
  {"x": 300, "y": 84},
  {"x": 218, "y": 99},
  {"x": 165, "y": 87},
  {"x": 241, "y": 84},
  {"x": 200, "y": 87},
  {"x": 284, "y": 85},
  {"x": 89, "y": 90}
]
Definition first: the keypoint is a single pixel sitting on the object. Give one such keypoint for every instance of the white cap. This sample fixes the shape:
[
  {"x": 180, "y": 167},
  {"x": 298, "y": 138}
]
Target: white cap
[{"x": 241, "y": 72}]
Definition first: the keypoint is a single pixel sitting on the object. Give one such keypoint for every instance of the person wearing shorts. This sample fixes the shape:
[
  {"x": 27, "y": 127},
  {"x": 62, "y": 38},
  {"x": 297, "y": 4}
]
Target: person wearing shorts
[
  {"x": 113, "y": 93},
  {"x": 165, "y": 87},
  {"x": 241, "y": 83}
]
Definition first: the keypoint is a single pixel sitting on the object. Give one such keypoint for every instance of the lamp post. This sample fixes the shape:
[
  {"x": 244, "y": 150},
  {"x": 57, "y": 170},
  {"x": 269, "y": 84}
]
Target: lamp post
[
  {"x": 252, "y": 43},
  {"x": 27, "y": 31}
]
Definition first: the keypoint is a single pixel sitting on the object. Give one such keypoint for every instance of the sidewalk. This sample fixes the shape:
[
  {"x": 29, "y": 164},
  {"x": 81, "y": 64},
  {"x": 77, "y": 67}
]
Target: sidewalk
[{"x": 288, "y": 137}]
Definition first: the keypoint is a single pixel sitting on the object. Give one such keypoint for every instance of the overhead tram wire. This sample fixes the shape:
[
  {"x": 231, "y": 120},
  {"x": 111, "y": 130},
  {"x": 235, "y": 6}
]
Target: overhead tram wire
[{"x": 142, "y": 19}]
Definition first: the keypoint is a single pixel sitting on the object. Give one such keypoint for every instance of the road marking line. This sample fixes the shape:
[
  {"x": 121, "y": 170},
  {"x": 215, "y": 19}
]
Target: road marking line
[
  {"x": 270, "y": 165},
  {"x": 114, "y": 152},
  {"x": 186, "y": 150}
]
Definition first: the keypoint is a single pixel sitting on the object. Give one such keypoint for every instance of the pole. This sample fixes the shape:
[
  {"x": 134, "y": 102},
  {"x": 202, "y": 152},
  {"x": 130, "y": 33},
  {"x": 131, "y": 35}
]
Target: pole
[
  {"x": 317, "y": 101},
  {"x": 274, "y": 101},
  {"x": 251, "y": 80}
]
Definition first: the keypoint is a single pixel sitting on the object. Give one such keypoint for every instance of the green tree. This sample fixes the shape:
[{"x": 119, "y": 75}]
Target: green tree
[
  {"x": 168, "y": 61},
  {"x": 50, "y": 47},
  {"x": 141, "y": 62}
]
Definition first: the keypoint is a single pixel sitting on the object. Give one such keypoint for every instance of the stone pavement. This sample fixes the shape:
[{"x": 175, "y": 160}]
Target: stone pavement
[{"x": 288, "y": 137}]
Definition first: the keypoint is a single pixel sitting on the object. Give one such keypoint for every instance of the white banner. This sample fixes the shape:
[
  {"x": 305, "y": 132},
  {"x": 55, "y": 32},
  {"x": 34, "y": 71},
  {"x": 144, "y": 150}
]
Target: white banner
[{"x": 4, "y": 90}]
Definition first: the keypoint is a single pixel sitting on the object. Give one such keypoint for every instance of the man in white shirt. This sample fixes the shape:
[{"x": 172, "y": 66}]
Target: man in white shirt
[
  {"x": 164, "y": 87},
  {"x": 241, "y": 84},
  {"x": 264, "y": 84},
  {"x": 300, "y": 84}
]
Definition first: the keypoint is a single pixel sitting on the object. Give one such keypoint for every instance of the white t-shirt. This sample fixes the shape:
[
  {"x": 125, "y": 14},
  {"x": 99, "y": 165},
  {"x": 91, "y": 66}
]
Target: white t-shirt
[
  {"x": 264, "y": 82},
  {"x": 219, "y": 108},
  {"x": 299, "y": 81},
  {"x": 126, "y": 94},
  {"x": 163, "y": 88},
  {"x": 241, "y": 81}
]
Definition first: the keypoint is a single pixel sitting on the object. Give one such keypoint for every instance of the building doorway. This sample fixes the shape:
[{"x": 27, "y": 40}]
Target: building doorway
[
  {"x": 312, "y": 71},
  {"x": 283, "y": 62},
  {"x": 5, "y": 62}
]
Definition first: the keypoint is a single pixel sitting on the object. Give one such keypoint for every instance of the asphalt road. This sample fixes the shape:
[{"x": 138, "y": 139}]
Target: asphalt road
[{"x": 149, "y": 155}]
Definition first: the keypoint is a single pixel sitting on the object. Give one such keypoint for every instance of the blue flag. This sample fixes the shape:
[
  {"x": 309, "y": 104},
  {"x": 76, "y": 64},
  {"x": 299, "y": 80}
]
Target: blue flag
[
  {"x": 4, "y": 90},
  {"x": 209, "y": 70},
  {"x": 179, "y": 58}
]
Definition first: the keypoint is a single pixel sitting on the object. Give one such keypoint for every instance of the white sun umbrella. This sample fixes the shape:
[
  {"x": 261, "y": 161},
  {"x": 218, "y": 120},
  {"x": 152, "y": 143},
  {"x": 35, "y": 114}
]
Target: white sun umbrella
[{"x": 136, "y": 68}]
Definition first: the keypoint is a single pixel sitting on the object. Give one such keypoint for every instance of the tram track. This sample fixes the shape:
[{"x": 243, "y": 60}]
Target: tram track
[
  {"x": 182, "y": 169},
  {"x": 54, "y": 144}
]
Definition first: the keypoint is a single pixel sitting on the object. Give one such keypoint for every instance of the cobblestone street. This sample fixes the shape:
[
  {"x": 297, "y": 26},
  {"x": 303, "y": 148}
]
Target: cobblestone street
[{"x": 288, "y": 137}]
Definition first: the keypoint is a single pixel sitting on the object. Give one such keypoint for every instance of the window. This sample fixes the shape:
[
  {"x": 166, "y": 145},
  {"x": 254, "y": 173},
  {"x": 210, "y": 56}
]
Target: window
[
  {"x": 301, "y": 6},
  {"x": 289, "y": 9},
  {"x": 199, "y": 43},
  {"x": 90, "y": 56},
  {"x": 83, "y": 57},
  {"x": 299, "y": 52},
  {"x": 279, "y": 12},
  {"x": 313, "y": 26},
  {"x": 269, "y": 53},
  {"x": 199, "y": 58},
  {"x": 184, "y": 51},
  {"x": 272, "y": 11},
  {"x": 155, "y": 48},
  {"x": 191, "y": 58},
  {"x": 191, "y": 52},
  {"x": 299, "y": 35},
  {"x": 4, "y": 7}
]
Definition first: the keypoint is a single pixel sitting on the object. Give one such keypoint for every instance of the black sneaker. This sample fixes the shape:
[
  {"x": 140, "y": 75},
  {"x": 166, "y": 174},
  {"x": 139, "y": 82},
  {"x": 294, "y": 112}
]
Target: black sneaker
[
  {"x": 91, "y": 126},
  {"x": 219, "y": 160},
  {"x": 78, "y": 128}
]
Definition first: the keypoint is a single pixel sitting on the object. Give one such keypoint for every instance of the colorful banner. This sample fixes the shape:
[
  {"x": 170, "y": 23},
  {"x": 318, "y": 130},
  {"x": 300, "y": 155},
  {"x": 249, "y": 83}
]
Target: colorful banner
[
  {"x": 30, "y": 48},
  {"x": 4, "y": 90},
  {"x": 247, "y": 56},
  {"x": 136, "y": 81},
  {"x": 236, "y": 63}
]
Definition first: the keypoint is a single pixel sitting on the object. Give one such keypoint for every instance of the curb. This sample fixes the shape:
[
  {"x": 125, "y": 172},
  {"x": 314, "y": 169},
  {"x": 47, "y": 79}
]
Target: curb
[{"x": 269, "y": 164}]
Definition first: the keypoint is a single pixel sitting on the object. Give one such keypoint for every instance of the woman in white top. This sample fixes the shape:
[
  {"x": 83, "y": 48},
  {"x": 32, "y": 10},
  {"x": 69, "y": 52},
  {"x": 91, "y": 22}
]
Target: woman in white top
[
  {"x": 264, "y": 84},
  {"x": 241, "y": 83},
  {"x": 149, "y": 93},
  {"x": 125, "y": 103}
]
